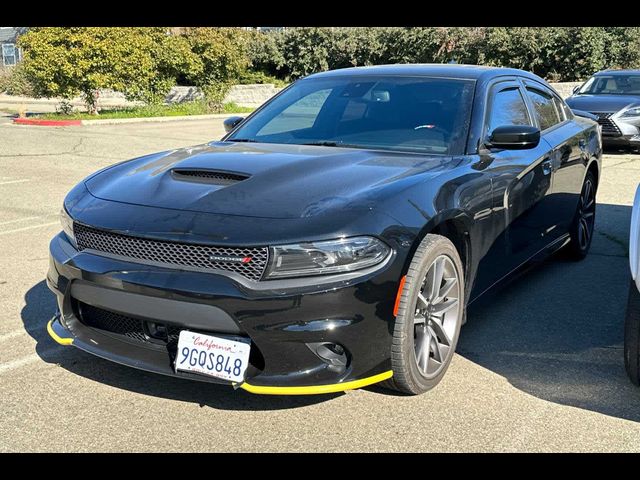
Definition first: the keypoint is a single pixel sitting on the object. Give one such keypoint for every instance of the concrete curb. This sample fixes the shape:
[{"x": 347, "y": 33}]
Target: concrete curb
[{"x": 115, "y": 121}]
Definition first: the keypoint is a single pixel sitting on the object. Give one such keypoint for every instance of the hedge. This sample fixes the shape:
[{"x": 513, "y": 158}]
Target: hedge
[
  {"x": 144, "y": 63},
  {"x": 556, "y": 53}
]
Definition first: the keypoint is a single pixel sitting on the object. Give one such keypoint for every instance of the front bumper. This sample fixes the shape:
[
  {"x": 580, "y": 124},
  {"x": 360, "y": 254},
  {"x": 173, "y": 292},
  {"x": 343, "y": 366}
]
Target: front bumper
[
  {"x": 622, "y": 140},
  {"x": 619, "y": 131},
  {"x": 282, "y": 323}
]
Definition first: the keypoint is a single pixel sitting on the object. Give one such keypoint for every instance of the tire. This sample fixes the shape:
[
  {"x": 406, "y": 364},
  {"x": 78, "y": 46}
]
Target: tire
[
  {"x": 632, "y": 335},
  {"x": 442, "y": 312},
  {"x": 583, "y": 220}
]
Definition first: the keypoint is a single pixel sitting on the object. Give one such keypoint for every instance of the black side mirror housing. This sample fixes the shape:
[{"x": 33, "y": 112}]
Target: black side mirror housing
[
  {"x": 576, "y": 88},
  {"x": 231, "y": 123},
  {"x": 514, "y": 137}
]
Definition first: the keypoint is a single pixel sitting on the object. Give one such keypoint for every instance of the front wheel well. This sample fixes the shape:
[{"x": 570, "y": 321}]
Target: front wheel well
[
  {"x": 456, "y": 231},
  {"x": 593, "y": 168}
]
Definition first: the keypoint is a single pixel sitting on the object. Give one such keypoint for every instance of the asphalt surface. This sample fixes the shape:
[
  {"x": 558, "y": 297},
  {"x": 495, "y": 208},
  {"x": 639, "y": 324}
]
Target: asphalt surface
[{"x": 539, "y": 366}]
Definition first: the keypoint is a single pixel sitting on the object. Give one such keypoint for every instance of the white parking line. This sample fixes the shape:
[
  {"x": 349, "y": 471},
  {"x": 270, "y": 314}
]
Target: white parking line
[
  {"x": 26, "y": 360},
  {"x": 10, "y": 335},
  {"x": 18, "y": 220},
  {"x": 5, "y": 232},
  {"x": 15, "y": 181}
]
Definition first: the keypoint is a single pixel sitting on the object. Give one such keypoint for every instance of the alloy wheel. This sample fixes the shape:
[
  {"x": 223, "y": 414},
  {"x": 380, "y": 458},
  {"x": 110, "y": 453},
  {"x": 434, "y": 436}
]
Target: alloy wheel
[
  {"x": 586, "y": 214},
  {"x": 436, "y": 316}
]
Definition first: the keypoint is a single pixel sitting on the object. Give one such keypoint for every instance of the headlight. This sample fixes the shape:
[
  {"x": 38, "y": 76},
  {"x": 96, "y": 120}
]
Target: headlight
[
  {"x": 320, "y": 258},
  {"x": 632, "y": 112},
  {"x": 67, "y": 226}
]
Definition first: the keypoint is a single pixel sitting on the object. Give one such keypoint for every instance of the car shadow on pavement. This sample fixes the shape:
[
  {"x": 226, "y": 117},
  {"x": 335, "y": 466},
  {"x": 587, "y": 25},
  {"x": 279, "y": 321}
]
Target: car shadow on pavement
[
  {"x": 39, "y": 307},
  {"x": 557, "y": 331}
]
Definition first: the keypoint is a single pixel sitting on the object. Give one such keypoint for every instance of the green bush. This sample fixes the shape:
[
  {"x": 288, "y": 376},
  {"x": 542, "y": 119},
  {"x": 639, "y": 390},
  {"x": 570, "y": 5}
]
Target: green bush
[
  {"x": 66, "y": 62},
  {"x": 249, "y": 77},
  {"x": 219, "y": 58},
  {"x": 296, "y": 52},
  {"x": 13, "y": 81},
  {"x": 5, "y": 78},
  {"x": 623, "y": 47},
  {"x": 556, "y": 53},
  {"x": 144, "y": 63},
  {"x": 265, "y": 55}
]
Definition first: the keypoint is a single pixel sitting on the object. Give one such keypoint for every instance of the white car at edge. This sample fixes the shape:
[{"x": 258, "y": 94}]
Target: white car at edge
[{"x": 632, "y": 321}]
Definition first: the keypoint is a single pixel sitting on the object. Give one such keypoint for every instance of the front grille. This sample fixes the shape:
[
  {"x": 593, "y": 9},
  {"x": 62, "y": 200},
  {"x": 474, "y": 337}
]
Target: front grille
[
  {"x": 135, "y": 329},
  {"x": 173, "y": 254},
  {"x": 209, "y": 176},
  {"x": 609, "y": 128},
  {"x": 122, "y": 324}
]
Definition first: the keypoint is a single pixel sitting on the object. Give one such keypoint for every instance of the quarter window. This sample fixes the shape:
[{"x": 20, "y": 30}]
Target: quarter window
[
  {"x": 544, "y": 108},
  {"x": 560, "y": 108},
  {"x": 508, "y": 108}
]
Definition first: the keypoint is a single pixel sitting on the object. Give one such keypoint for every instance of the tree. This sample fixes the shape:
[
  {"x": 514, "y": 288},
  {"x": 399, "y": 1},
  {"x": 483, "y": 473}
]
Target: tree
[
  {"x": 66, "y": 62},
  {"x": 220, "y": 57}
]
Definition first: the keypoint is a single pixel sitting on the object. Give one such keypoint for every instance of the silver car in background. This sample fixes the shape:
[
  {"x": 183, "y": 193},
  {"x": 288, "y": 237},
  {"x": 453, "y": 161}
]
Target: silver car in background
[{"x": 613, "y": 96}]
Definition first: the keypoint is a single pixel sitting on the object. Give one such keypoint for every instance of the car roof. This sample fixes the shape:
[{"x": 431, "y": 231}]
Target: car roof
[
  {"x": 617, "y": 72},
  {"x": 474, "y": 72}
]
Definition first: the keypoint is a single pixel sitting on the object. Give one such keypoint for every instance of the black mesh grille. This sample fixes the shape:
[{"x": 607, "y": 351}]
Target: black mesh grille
[
  {"x": 134, "y": 328},
  {"x": 210, "y": 176},
  {"x": 609, "y": 128},
  {"x": 175, "y": 254},
  {"x": 111, "y": 322}
]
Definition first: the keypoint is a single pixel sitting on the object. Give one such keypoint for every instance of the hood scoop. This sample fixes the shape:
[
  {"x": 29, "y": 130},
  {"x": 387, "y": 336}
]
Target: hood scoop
[{"x": 211, "y": 177}]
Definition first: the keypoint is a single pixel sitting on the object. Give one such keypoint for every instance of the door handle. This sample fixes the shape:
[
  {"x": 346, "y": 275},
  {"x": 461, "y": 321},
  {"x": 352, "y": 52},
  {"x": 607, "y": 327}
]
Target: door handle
[{"x": 547, "y": 166}]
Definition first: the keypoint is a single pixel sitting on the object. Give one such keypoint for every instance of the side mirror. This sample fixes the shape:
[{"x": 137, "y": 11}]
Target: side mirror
[
  {"x": 576, "y": 88},
  {"x": 231, "y": 123},
  {"x": 515, "y": 137}
]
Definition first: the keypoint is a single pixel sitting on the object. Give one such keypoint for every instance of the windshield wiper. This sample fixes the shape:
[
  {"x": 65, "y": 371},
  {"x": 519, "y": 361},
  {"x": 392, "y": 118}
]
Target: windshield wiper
[
  {"x": 332, "y": 144},
  {"x": 241, "y": 140}
]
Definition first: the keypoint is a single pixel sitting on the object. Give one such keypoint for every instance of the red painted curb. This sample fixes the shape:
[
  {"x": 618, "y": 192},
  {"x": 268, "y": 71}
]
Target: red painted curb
[{"x": 47, "y": 123}]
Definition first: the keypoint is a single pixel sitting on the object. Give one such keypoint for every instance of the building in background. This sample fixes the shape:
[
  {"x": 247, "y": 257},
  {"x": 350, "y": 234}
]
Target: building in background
[{"x": 9, "y": 51}]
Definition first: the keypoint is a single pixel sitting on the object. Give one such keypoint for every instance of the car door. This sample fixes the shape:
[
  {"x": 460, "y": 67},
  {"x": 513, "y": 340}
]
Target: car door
[
  {"x": 567, "y": 145},
  {"x": 521, "y": 181}
]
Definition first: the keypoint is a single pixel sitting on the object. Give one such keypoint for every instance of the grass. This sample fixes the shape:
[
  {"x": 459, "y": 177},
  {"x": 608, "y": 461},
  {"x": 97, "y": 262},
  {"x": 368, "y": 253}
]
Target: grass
[{"x": 173, "y": 110}]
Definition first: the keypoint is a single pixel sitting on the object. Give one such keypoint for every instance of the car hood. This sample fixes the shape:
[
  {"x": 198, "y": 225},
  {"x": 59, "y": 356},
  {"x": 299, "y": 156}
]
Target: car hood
[
  {"x": 601, "y": 103},
  {"x": 282, "y": 181}
]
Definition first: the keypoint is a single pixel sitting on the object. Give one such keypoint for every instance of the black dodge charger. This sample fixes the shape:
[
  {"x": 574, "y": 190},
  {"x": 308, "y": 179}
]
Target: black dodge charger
[{"x": 333, "y": 238}]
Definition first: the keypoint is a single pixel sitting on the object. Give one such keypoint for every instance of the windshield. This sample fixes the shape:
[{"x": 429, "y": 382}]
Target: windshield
[
  {"x": 612, "y": 85},
  {"x": 417, "y": 114}
]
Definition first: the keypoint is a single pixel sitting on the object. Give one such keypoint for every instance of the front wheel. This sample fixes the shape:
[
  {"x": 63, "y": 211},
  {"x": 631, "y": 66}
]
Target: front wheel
[
  {"x": 429, "y": 317},
  {"x": 582, "y": 227}
]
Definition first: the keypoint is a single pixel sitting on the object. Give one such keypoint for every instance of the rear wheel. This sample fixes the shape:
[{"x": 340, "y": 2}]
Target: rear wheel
[
  {"x": 429, "y": 317},
  {"x": 582, "y": 227},
  {"x": 632, "y": 335}
]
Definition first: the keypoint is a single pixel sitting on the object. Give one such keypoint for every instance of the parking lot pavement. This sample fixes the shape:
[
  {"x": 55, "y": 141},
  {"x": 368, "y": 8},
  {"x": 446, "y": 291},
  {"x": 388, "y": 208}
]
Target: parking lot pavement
[{"x": 539, "y": 365}]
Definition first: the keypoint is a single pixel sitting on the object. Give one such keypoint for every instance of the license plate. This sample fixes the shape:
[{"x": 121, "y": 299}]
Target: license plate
[{"x": 213, "y": 356}]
